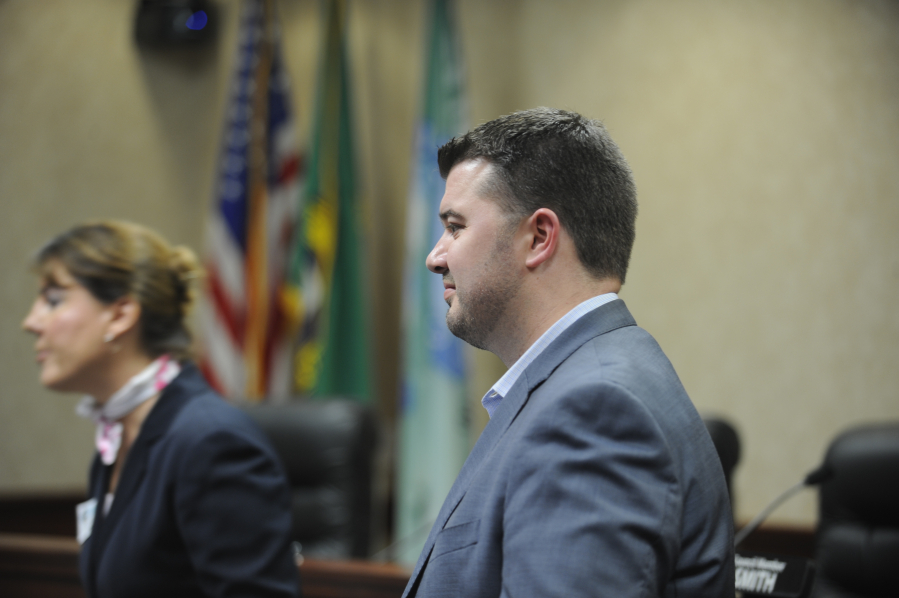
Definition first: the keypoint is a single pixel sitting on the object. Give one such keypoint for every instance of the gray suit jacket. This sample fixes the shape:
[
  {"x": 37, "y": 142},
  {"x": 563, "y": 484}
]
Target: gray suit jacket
[{"x": 595, "y": 477}]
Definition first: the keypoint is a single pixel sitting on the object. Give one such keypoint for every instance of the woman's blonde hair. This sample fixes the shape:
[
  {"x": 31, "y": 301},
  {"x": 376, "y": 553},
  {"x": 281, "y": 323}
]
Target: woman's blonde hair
[{"x": 113, "y": 259}]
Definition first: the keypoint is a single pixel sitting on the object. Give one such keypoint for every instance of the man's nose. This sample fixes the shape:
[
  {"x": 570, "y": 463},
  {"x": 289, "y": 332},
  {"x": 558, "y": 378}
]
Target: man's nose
[{"x": 436, "y": 260}]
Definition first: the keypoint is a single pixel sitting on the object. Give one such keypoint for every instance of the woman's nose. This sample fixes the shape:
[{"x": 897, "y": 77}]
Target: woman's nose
[{"x": 32, "y": 322}]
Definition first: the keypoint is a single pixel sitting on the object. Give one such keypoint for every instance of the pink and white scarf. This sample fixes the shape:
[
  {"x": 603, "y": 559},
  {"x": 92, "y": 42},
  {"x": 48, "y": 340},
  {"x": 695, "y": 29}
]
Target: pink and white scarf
[{"x": 148, "y": 383}]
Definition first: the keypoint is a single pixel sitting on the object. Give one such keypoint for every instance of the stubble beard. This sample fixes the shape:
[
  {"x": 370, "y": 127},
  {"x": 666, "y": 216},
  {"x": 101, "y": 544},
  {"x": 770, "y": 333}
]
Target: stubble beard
[{"x": 481, "y": 310}]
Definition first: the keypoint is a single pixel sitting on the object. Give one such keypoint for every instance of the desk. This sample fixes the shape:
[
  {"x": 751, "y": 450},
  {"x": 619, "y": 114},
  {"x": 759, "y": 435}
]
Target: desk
[{"x": 33, "y": 566}]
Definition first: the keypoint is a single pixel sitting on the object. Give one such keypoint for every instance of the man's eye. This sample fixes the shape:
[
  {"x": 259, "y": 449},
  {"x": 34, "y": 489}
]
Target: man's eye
[{"x": 452, "y": 228}]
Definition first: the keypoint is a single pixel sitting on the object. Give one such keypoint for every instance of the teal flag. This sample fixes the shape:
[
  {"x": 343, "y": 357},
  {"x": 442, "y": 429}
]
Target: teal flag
[
  {"x": 433, "y": 441},
  {"x": 326, "y": 293}
]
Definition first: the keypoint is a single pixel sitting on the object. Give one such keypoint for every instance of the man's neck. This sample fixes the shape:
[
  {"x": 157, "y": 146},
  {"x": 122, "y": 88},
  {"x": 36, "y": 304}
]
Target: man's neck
[{"x": 544, "y": 307}]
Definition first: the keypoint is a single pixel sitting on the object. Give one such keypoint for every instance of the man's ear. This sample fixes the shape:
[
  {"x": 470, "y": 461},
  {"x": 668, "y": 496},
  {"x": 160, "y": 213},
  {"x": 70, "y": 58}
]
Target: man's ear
[
  {"x": 124, "y": 315},
  {"x": 544, "y": 231}
]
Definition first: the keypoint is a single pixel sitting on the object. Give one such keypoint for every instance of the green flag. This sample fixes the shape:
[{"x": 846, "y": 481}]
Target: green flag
[
  {"x": 433, "y": 441},
  {"x": 326, "y": 291}
]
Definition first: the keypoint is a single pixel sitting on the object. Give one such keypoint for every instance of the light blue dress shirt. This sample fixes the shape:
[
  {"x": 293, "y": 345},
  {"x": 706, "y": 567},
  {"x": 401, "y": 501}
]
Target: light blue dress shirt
[{"x": 495, "y": 395}]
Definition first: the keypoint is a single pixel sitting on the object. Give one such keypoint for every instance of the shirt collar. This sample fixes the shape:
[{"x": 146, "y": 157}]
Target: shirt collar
[{"x": 494, "y": 396}]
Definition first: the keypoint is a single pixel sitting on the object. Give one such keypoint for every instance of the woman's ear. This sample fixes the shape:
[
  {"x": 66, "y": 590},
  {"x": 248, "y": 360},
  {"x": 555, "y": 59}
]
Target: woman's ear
[
  {"x": 544, "y": 231},
  {"x": 124, "y": 315}
]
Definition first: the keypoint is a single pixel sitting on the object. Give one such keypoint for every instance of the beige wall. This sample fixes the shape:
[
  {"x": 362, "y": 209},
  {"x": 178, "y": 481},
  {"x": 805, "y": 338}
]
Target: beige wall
[
  {"x": 763, "y": 136},
  {"x": 89, "y": 128}
]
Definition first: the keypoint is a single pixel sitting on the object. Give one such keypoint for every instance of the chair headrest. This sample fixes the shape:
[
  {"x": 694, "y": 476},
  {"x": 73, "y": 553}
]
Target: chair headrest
[
  {"x": 726, "y": 441},
  {"x": 864, "y": 486},
  {"x": 316, "y": 438}
]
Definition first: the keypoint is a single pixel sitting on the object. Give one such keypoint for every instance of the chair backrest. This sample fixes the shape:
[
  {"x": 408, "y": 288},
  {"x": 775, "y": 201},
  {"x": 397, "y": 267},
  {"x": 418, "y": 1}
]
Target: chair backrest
[
  {"x": 857, "y": 544},
  {"x": 327, "y": 449}
]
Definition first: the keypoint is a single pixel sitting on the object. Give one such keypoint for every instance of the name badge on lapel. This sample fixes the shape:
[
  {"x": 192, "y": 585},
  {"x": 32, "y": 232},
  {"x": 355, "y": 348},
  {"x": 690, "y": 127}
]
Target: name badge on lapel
[{"x": 84, "y": 516}]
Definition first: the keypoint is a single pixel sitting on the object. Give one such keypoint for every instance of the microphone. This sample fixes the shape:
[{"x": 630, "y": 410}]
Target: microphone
[
  {"x": 766, "y": 575},
  {"x": 818, "y": 476},
  {"x": 813, "y": 478}
]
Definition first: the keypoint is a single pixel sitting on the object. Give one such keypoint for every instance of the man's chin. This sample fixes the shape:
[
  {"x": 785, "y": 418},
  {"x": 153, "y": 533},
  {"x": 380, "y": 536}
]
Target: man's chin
[
  {"x": 452, "y": 321},
  {"x": 464, "y": 331},
  {"x": 450, "y": 312}
]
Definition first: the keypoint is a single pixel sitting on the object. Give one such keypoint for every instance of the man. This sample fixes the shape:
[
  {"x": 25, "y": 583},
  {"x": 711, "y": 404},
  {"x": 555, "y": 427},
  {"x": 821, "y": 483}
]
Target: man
[{"x": 595, "y": 475}]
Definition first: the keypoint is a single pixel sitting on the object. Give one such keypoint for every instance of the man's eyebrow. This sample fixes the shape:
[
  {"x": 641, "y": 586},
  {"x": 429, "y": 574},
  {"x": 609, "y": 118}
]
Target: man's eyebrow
[{"x": 448, "y": 214}]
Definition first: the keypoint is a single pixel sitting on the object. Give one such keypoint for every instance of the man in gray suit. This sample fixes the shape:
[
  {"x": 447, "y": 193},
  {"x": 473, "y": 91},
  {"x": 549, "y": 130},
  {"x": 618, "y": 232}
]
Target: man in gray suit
[{"x": 595, "y": 475}]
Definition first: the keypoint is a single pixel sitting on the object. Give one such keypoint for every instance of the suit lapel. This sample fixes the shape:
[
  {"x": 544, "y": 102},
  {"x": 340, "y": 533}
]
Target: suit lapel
[
  {"x": 603, "y": 319},
  {"x": 99, "y": 483},
  {"x": 498, "y": 424},
  {"x": 173, "y": 398}
]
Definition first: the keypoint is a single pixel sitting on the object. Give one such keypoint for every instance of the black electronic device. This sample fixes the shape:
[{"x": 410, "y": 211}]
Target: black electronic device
[{"x": 175, "y": 23}]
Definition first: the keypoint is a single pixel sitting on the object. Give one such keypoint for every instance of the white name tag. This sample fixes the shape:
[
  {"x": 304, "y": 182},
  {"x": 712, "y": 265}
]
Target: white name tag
[{"x": 84, "y": 516}]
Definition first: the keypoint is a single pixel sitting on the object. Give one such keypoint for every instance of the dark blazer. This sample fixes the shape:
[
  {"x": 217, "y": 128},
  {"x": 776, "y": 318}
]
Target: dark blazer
[
  {"x": 201, "y": 508},
  {"x": 594, "y": 477}
]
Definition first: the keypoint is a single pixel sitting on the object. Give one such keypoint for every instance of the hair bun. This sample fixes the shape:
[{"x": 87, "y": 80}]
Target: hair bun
[
  {"x": 183, "y": 262},
  {"x": 185, "y": 267}
]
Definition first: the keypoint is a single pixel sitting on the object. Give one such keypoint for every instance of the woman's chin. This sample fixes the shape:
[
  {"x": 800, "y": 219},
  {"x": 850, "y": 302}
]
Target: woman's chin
[{"x": 56, "y": 383}]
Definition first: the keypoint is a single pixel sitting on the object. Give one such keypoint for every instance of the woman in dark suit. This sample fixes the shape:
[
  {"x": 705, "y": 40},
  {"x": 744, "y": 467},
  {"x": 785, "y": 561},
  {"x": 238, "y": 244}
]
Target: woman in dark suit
[{"x": 186, "y": 495}]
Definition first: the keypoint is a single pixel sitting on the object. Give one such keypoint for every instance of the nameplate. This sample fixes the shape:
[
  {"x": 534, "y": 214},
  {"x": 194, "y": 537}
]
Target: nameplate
[{"x": 773, "y": 575}]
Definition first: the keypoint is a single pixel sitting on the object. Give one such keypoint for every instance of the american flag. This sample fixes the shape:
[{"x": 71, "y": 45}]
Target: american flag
[{"x": 246, "y": 337}]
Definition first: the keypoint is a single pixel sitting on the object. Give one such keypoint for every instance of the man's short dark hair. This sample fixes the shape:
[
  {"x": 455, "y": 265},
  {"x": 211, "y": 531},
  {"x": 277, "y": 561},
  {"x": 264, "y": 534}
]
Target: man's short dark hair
[{"x": 546, "y": 158}]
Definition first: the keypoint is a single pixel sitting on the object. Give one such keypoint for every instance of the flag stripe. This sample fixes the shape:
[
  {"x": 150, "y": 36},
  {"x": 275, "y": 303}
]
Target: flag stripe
[
  {"x": 231, "y": 319},
  {"x": 251, "y": 225}
]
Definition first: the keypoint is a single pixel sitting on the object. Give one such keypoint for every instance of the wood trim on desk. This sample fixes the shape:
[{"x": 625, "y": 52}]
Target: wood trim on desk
[
  {"x": 39, "y": 567},
  {"x": 352, "y": 579},
  {"x": 47, "y": 567},
  {"x": 50, "y": 513},
  {"x": 43, "y": 566}
]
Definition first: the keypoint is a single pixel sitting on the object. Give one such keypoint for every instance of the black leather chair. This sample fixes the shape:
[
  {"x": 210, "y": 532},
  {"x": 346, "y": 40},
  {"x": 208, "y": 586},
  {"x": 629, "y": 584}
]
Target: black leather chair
[
  {"x": 327, "y": 449},
  {"x": 857, "y": 544},
  {"x": 727, "y": 444}
]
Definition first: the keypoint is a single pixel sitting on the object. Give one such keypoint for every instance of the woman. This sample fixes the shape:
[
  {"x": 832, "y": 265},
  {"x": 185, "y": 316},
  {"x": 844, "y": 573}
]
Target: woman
[{"x": 186, "y": 494}]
